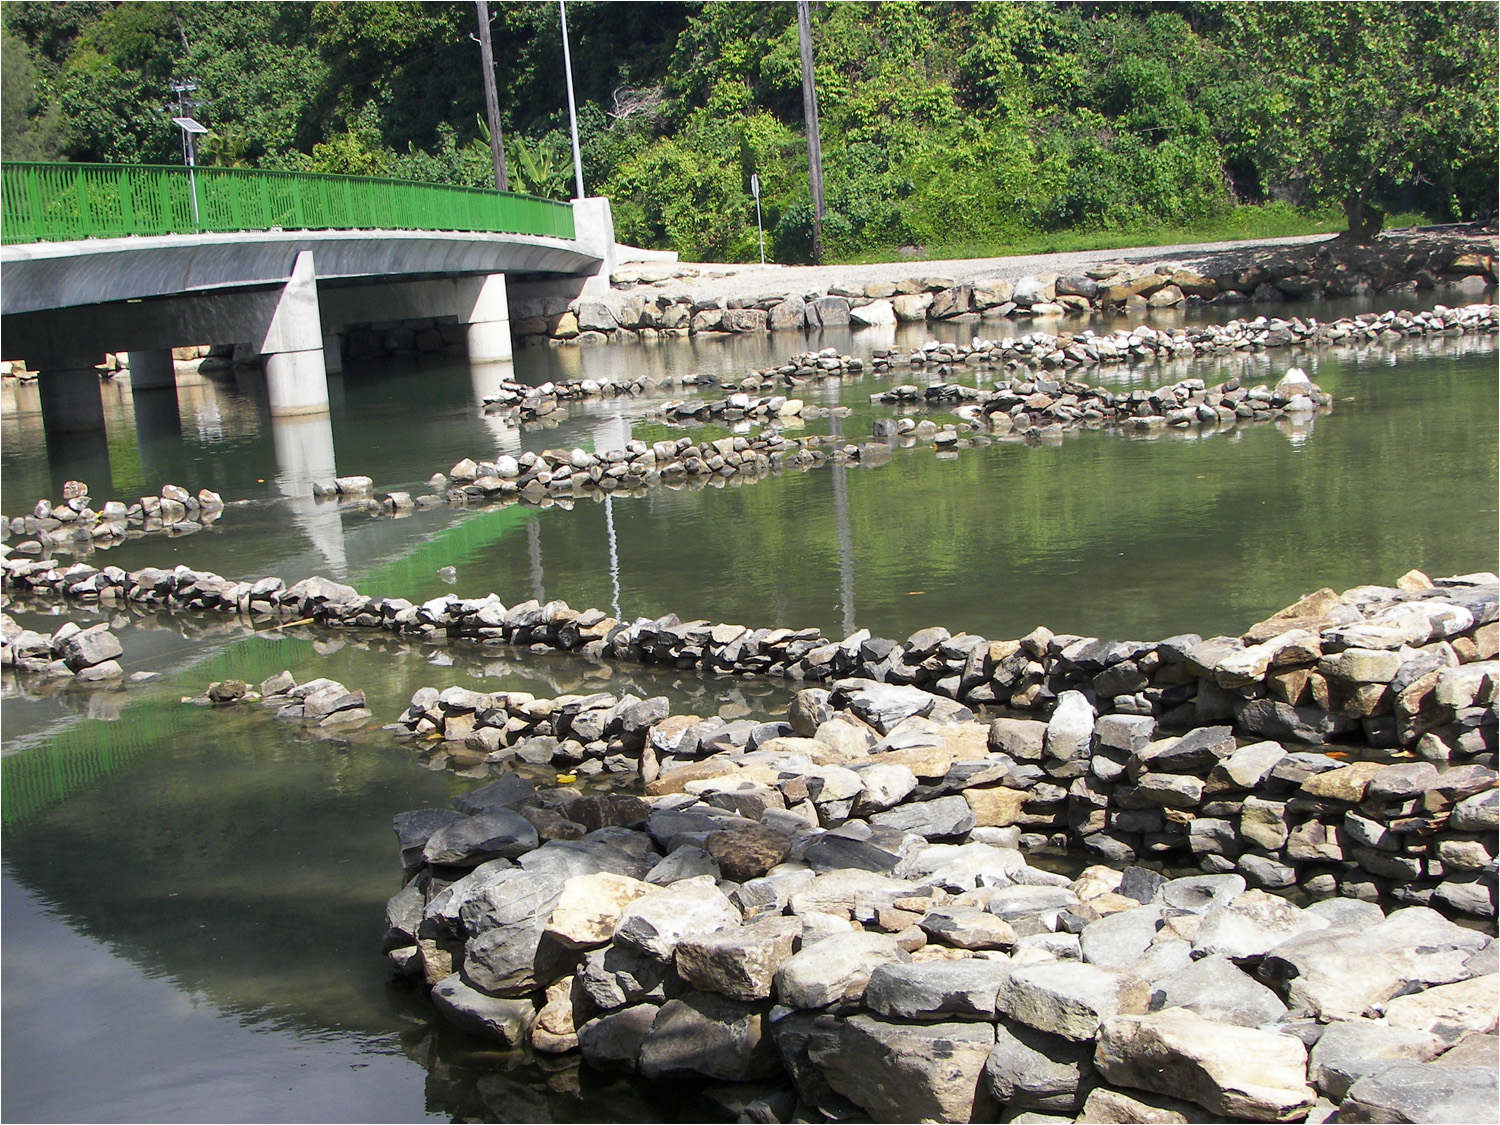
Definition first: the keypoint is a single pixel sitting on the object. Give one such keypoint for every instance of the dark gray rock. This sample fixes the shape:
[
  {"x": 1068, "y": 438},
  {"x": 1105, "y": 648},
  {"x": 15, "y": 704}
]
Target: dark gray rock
[
  {"x": 614, "y": 1041},
  {"x": 1196, "y": 752},
  {"x": 1030, "y": 1069},
  {"x": 618, "y": 975},
  {"x": 936, "y": 990},
  {"x": 508, "y": 791},
  {"x": 946, "y": 816},
  {"x": 703, "y": 1033},
  {"x": 1217, "y": 990},
  {"x": 490, "y": 1017},
  {"x": 1117, "y": 940},
  {"x": 1349, "y": 1049},
  {"x": 414, "y": 829},
  {"x": 500, "y": 834}
]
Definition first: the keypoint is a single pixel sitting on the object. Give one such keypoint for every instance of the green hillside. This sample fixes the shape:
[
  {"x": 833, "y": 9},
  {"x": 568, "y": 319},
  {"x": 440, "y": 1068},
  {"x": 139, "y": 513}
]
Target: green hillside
[{"x": 956, "y": 126}]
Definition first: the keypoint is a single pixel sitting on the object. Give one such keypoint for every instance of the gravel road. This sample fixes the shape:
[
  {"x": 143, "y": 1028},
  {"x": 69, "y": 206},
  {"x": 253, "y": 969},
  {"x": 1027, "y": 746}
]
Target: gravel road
[{"x": 755, "y": 280}]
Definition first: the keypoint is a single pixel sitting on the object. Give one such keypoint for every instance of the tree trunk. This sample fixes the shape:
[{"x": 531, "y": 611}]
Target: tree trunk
[
  {"x": 491, "y": 98},
  {"x": 814, "y": 137},
  {"x": 1365, "y": 219}
]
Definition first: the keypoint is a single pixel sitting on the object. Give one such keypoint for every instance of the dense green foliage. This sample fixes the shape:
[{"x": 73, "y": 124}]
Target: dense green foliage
[{"x": 944, "y": 124}]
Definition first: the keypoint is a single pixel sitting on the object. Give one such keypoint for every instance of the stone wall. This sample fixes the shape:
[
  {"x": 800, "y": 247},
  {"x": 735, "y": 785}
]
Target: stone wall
[
  {"x": 1411, "y": 666},
  {"x": 663, "y": 300},
  {"x": 834, "y": 912},
  {"x": 1113, "y": 785}
]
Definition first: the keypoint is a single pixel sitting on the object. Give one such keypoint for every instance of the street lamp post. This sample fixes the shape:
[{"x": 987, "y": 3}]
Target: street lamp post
[{"x": 182, "y": 110}]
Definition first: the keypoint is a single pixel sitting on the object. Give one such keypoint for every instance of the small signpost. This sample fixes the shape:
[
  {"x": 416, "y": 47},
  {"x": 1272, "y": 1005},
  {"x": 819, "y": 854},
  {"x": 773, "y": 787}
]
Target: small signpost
[{"x": 755, "y": 191}]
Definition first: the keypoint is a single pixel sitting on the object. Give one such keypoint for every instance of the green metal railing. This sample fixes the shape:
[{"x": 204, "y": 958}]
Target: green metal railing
[{"x": 64, "y": 202}]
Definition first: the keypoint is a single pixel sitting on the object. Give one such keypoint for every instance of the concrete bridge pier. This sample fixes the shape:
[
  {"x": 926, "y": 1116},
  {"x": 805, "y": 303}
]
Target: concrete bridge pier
[
  {"x": 152, "y": 370},
  {"x": 153, "y": 396},
  {"x": 292, "y": 346},
  {"x": 483, "y": 306},
  {"x": 71, "y": 400}
]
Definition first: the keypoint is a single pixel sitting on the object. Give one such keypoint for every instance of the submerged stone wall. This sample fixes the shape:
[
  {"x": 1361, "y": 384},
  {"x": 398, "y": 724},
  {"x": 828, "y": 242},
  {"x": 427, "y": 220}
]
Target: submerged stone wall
[
  {"x": 845, "y": 920},
  {"x": 1411, "y": 666}
]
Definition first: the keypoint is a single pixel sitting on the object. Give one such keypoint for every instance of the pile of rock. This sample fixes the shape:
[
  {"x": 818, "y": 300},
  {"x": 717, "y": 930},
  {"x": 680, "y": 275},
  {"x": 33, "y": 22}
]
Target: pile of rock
[
  {"x": 1411, "y": 666},
  {"x": 733, "y": 407},
  {"x": 86, "y": 655},
  {"x": 584, "y": 734},
  {"x": 1040, "y": 403},
  {"x": 322, "y": 703},
  {"x": 912, "y": 762},
  {"x": 72, "y": 523},
  {"x": 349, "y": 486},
  {"x": 564, "y": 472},
  {"x": 528, "y": 404},
  {"x": 754, "y": 934},
  {"x": 1144, "y": 344}
]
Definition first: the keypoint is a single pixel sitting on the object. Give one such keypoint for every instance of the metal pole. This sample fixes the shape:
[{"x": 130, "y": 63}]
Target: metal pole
[
  {"x": 192, "y": 175},
  {"x": 810, "y": 114},
  {"x": 562, "y": 9},
  {"x": 491, "y": 98},
  {"x": 755, "y": 190}
]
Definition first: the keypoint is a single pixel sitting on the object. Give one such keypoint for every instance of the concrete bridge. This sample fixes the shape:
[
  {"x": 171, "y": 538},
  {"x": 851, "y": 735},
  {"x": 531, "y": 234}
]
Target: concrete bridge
[{"x": 104, "y": 259}]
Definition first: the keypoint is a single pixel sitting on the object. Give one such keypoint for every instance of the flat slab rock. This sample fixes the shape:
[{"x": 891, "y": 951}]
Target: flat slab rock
[{"x": 1236, "y": 1071}]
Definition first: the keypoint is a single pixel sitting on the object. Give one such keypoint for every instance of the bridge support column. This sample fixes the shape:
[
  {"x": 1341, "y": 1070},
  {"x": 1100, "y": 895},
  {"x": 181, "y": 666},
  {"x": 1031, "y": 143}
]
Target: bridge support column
[
  {"x": 71, "y": 402},
  {"x": 296, "y": 379},
  {"x": 484, "y": 307},
  {"x": 152, "y": 370}
]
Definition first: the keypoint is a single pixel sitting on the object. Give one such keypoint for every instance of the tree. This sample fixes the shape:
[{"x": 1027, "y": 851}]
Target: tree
[
  {"x": 1372, "y": 98},
  {"x": 29, "y": 128}
]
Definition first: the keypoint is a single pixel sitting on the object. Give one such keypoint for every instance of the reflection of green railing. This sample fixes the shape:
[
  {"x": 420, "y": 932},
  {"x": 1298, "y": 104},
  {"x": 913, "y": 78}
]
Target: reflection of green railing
[
  {"x": 412, "y": 574},
  {"x": 63, "y": 202},
  {"x": 87, "y": 752}
]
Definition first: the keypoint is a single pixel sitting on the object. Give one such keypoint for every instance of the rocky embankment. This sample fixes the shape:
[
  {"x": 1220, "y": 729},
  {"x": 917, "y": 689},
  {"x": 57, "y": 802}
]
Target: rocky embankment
[
  {"x": 72, "y": 523},
  {"x": 1114, "y": 785},
  {"x": 661, "y": 299},
  {"x": 836, "y": 909}
]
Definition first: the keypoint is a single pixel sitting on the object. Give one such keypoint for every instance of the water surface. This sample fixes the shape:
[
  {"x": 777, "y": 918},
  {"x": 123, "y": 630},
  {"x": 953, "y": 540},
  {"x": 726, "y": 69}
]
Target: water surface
[{"x": 193, "y": 899}]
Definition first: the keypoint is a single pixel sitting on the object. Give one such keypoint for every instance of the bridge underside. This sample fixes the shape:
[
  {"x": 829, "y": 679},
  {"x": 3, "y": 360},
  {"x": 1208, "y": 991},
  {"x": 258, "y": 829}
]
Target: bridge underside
[{"x": 48, "y": 276}]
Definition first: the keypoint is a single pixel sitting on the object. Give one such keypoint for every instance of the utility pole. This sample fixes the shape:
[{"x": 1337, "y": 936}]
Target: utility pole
[
  {"x": 810, "y": 115},
  {"x": 491, "y": 98},
  {"x": 562, "y": 12}
]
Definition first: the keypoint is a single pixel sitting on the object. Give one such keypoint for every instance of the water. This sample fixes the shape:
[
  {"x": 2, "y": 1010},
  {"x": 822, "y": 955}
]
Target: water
[{"x": 192, "y": 901}]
